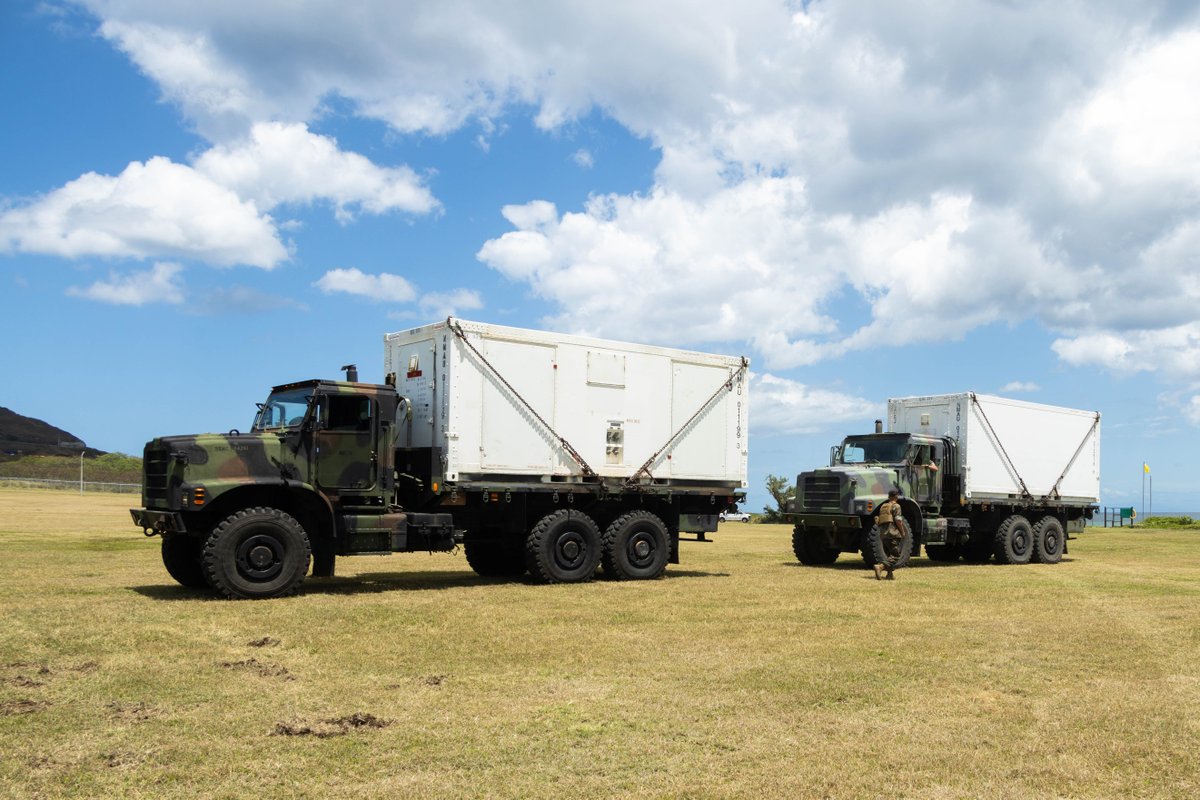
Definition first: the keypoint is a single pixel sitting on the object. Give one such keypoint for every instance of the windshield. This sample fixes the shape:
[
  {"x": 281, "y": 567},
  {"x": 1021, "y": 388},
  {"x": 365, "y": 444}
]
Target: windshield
[
  {"x": 283, "y": 410},
  {"x": 888, "y": 450}
]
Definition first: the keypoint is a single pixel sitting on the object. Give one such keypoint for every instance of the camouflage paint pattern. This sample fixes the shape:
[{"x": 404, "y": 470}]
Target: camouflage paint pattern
[
  {"x": 834, "y": 490},
  {"x": 332, "y": 456}
]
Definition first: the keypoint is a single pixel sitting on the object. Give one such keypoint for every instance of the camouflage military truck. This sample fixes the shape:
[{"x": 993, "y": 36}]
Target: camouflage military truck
[
  {"x": 979, "y": 477},
  {"x": 465, "y": 444}
]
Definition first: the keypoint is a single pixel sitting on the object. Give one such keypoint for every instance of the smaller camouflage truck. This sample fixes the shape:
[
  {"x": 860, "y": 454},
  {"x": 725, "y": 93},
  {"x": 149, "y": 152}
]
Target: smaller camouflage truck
[
  {"x": 979, "y": 477},
  {"x": 535, "y": 452}
]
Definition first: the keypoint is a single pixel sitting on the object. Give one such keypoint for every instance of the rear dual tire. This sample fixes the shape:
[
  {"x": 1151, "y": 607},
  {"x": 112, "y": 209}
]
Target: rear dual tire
[{"x": 636, "y": 546}]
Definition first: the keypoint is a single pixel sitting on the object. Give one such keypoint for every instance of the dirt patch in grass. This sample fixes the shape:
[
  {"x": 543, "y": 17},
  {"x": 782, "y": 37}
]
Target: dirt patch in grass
[
  {"x": 132, "y": 712},
  {"x": 266, "y": 641},
  {"x": 325, "y": 728},
  {"x": 12, "y": 708},
  {"x": 260, "y": 668}
]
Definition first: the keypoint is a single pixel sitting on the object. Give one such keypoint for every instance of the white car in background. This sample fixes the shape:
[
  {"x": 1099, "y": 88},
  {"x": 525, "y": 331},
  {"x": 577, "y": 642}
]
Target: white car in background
[{"x": 734, "y": 516}]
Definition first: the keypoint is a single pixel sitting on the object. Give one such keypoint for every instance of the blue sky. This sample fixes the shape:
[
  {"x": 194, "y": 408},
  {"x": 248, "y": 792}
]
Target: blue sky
[{"x": 198, "y": 201}]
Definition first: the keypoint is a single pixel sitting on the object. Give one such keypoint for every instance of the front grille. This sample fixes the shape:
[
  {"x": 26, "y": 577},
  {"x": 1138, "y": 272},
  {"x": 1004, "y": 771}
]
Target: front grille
[
  {"x": 821, "y": 493},
  {"x": 156, "y": 461}
]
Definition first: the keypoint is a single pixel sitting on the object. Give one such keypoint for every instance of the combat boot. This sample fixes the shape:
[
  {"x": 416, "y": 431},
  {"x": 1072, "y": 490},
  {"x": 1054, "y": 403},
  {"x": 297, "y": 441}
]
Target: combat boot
[
  {"x": 890, "y": 574},
  {"x": 879, "y": 572}
]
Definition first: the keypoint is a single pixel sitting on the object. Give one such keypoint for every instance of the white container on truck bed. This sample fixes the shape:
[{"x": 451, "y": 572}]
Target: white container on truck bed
[
  {"x": 1011, "y": 449},
  {"x": 506, "y": 403}
]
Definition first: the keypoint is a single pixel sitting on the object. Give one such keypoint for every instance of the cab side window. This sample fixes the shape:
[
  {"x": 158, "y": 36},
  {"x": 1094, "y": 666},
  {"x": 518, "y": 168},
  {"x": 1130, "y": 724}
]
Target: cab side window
[{"x": 348, "y": 413}]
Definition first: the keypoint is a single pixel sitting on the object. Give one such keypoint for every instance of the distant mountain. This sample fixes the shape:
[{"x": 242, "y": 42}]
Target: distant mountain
[{"x": 23, "y": 435}]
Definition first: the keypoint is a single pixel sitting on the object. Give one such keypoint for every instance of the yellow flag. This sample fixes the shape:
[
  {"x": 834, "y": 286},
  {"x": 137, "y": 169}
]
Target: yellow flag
[{"x": 1145, "y": 468}]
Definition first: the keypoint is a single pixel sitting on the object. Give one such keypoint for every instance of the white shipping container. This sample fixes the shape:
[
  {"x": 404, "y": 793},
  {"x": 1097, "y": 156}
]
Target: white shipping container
[
  {"x": 1002, "y": 443},
  {"x": 617, "y": 404}
]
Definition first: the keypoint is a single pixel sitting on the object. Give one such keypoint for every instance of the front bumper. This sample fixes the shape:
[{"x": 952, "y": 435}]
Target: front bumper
[
  {"x": 826, "y": 521},
  {"x": 154, "y": 521}
]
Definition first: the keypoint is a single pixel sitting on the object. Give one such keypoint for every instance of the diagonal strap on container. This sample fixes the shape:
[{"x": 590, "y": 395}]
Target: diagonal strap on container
[
  {"x": 571, "y": 451},
  {"x": 726, "y": 386},
  {"x": 1054, "y": 489},
  {"x": 978, "y": 406}
]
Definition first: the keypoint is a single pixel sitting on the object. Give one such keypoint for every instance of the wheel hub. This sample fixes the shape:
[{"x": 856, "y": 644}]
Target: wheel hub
[
  {"x": 261, "y": 556},
  {"x": 641, "y": 548}
]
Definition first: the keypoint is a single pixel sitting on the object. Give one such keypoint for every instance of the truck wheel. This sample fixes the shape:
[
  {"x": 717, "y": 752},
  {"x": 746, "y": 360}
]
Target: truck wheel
[
  {"x": 636, "y": 547},
  {"x": 947, "y": 553},
  {"x": 873, "y": 552},
  {"x": 495, "y": 559},
  {"x": 811, "y": 547},
  {"x": 1013, "y": 543},
  {"x": 564, "y": 547},
  {"x": 183, "y": 558},
  {"x": 257, "y": 553},
  {"x": 1048, "y": 541}
]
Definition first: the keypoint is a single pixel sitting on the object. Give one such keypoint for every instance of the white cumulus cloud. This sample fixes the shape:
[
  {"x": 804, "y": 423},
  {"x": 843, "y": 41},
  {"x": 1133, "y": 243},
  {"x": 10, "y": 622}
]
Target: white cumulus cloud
[
  {"x": 159, "y": 284},
  {"x": 152, "y": 209},
  {"x": 286, "y": 163},
  {"x": 782, "y": 405},
  {"x": 384, "y": 286}
]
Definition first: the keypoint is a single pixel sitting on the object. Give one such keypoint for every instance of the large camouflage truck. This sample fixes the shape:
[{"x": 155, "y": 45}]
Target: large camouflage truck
[
  {"x": 536, "y": 452},
  {"x": 979, "y": 477}
]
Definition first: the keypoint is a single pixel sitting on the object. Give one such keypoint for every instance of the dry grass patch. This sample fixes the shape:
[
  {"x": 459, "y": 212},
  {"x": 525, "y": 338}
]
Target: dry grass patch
[{"x": 740, "y": 674}]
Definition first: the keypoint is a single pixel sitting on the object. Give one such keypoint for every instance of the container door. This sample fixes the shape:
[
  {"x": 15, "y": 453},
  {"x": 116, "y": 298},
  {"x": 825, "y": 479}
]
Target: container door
[
  {"x": 413, "y": 363},
  {"x": 512, "y": 439},
  {"x": 700, "y": 451}
]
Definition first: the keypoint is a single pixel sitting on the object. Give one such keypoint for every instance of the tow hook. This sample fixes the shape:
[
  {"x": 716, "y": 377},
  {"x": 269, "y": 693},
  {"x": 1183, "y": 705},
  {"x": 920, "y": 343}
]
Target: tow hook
[{"x": 148, "y": 532}]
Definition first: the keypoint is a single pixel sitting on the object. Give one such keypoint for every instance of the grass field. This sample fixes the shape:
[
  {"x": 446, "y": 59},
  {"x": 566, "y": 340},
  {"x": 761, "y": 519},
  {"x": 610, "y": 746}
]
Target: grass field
[{"x": 741, "y": 674}]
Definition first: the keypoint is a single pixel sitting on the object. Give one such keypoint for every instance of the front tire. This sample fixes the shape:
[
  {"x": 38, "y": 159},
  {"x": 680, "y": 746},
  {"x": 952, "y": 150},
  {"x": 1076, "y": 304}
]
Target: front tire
[
  {"x": 257, "y": 553},
  {"x": 1013, "y": 543},
  {"x": 183, "y": 556},
  {"x": 1048, "y": 541},
  {"x": 636, "y": 547},
  {"x": 564, "y": 547},
  {"x": 812, "y": 547}
]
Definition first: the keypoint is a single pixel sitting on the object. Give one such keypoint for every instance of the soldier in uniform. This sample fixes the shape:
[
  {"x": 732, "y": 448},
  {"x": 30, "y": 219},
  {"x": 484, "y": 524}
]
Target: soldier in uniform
[{"x": 891, "y": 532}]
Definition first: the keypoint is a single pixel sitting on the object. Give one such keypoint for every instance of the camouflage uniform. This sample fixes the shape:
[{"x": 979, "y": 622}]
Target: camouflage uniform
[{"x": 891, "y": 533}]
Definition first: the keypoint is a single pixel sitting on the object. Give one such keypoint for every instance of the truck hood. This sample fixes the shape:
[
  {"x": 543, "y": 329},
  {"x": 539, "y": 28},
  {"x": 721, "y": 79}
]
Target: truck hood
[
  {"x": 834, "y": 489},
  {"x": 215, "y": 460}
]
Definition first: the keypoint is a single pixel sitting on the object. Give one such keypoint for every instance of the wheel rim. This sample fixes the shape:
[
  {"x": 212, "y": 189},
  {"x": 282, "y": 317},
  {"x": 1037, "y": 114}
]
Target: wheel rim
[
  {"x": 1020, "y": 541},
  {"x": 1052, "y": 544},
  {"x": 570, "y": 550},
  {"x": 260, "y": 557},
  {"x": 641, "y": 549}
]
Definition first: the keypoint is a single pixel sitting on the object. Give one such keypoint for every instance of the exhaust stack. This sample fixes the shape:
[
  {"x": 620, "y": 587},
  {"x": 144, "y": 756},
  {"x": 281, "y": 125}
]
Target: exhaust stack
[
  {"x": 879, "y": 426},
  {"x": 352, "y": 374}
]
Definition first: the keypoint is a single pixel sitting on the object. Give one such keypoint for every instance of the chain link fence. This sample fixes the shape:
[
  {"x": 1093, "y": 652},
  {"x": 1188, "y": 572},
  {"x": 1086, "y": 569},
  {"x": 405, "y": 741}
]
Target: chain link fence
[{"x": 68, "y": 486}]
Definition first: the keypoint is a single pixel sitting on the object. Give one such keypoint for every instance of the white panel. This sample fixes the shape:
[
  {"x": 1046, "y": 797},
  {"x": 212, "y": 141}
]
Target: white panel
[
  {"x": 513, "y": 440},
  {"x": 699, "y": 450},
  {"x": 605, "y": 368}
]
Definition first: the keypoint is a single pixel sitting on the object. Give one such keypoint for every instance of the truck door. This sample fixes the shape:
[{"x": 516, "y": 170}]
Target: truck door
[
  {"x": 345, "y": 442},
  {"x": 927, "y": 476}
]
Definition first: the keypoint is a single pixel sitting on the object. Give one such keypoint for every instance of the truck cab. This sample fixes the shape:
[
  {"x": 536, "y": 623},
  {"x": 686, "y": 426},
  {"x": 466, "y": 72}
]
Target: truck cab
[
  {"x": 834, "y": 507},
  {"x": 313, "y": 476}
]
